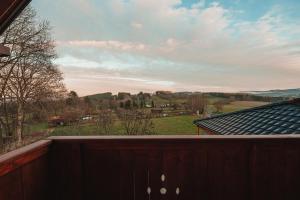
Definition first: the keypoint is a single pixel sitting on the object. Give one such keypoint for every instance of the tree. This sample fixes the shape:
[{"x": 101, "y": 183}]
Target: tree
[
  {"x": 219, "y": 105},
  {"x": 142, "y": 104},
  {"x": 105, "y": 121},
  {"x": 88, "y": 105},
  {"x": 113, "y": 104},
  {"x": 128, "y": 104},
  {"x": 87, "y": 101},
  {"x": 73, "y": 99},
  {"x": 29, "y": 74},
  {"x": 197, "y": 103},
  {"x": 135, "y": 105},
  {"x": 137, "y": 122}
]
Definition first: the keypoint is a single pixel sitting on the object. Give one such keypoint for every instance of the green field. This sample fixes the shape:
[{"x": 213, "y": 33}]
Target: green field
[
  {"x": 179, "y": 125},
  {"x": 176, "y": 125},
  {"x": 35, "y": 128},
  {"x": 240, "y": 105}
]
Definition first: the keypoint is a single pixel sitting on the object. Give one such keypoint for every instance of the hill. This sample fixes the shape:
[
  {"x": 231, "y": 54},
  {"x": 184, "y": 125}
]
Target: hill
[
  {"x": 100, "y": 96},
  {"x": 289, "y": 93}
]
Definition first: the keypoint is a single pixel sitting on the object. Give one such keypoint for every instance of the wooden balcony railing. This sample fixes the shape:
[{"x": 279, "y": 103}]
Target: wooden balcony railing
[
  {"x": 24, "y": 173},
  {"x": 136, "y": 168}
]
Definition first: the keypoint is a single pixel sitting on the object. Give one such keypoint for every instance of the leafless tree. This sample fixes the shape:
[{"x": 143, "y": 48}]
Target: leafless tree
[
  {"x": 105, "y": 121},
  {"x": 136, "y": 122},
  {"x": 219, "y": 105},
  {"x": 29, "y": 74},
  {"x": 197, "y": 103}
]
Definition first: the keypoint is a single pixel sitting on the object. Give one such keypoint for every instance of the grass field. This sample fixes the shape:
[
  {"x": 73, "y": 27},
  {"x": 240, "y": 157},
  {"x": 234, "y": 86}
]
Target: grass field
[
  {"x": 240, "y": 105},
  {"x": 179, "y": 125},
  {"x": 35, "y": 128}
]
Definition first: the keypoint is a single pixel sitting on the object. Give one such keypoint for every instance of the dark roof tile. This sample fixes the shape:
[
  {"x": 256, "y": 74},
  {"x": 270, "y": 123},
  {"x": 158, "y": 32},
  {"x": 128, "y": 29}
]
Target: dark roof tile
[{"x": 278, "y": 118}]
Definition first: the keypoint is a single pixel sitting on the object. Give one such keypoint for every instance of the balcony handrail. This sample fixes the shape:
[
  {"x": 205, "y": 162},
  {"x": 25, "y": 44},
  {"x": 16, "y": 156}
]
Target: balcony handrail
[
  {"x": 179, "y": 137},
  {"x": 20, "y": 157}
]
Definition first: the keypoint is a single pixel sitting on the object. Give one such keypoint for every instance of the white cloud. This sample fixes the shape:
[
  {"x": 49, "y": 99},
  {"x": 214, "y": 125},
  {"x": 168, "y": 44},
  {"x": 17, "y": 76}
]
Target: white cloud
[
  {"x": 69, "y": 61},
  {"x": 109, "y": 44},
  {"x": 202, "y": 47}
]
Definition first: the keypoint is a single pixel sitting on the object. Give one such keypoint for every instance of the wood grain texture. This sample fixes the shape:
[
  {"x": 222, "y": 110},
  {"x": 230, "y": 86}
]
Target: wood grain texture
[
  {"x": 24, "y": 173},
  {"x": 35, "y": 179},
  {"x": 207, "y": 168},
  {"x": 11, "y": 186},
  {"x": 15, "y": 159},
  {"x": 66, "y": 172},
  {"x": 121, "y": 168}
]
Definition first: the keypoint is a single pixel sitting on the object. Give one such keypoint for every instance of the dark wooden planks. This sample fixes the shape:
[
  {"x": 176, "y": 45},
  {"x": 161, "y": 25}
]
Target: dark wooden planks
[
  {"x": 102, "y": 174},
  {"x": 35, "y": 179},
  {"x": 24, "y": 173},
  {"x": 18, "y": 158},
  {"x": 276, "y": 170},
  {"x": 123, "y": 169},
  {"x": 292, "y": 172},
  {"x": 11, "y": 186},
  {"x": 202, "y": 168},
  {"x": 66, "y": 171}
]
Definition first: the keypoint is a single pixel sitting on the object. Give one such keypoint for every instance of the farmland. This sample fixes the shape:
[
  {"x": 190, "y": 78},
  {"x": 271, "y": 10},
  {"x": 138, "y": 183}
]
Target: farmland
[
  {"x": 172, "y": 125},
  {"x": 178, "y": 125},
  {"x": 239, "y": 105},
  {"x": 174, "y": 115}
]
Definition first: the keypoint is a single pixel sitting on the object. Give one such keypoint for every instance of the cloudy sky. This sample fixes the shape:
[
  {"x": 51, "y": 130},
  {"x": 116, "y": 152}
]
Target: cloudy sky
[{"x": 177, "y": 45}]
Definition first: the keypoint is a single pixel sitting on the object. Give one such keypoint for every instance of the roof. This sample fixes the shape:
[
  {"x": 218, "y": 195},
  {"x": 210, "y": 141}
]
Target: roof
[
  {"x": 9, "y": 10},
  {"x": 276, "y": 118}
]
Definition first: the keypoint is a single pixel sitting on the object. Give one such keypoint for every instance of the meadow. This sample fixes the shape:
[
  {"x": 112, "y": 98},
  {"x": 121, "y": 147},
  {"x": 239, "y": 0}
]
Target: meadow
[
  {"x": 178, "y": 125},
  {"x": 175, "y": 125}
]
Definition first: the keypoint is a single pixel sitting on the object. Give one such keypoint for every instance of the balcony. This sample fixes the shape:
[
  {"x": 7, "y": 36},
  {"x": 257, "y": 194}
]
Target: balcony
[{"x": 135, "y": 168}]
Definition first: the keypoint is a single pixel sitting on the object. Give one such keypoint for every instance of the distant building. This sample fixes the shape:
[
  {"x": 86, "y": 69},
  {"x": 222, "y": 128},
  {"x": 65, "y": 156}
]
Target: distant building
[{"x": 276, "y": 118}]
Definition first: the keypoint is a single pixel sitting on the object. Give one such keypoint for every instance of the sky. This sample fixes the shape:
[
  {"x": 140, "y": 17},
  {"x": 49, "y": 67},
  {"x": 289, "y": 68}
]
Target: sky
[{"x": 175, "y": 45}]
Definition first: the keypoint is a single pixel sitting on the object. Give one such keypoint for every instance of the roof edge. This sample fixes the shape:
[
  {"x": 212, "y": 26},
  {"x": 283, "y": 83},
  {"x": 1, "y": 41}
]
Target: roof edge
[{"x": 12, "y": 11}]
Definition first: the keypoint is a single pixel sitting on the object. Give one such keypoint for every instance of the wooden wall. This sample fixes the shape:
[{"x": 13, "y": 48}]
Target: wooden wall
[
  {"x": 195, "y": 168},
  {"x": 24, "y": 173},
  {"x": 186, "y": 168}
]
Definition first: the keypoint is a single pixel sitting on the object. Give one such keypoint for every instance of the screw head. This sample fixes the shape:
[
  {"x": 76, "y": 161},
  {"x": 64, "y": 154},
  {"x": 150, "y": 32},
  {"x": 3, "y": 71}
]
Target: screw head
[
  {"x": 163, "y": 177},
  {"x": 163, "y": 191},
  {"x": 149, "y": 190}
]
